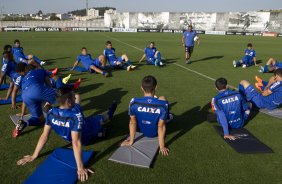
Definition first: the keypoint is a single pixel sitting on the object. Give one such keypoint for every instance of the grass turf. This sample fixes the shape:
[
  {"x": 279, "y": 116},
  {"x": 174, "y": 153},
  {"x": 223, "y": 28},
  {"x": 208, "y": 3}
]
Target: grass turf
[{"x": 198, "y": 154}]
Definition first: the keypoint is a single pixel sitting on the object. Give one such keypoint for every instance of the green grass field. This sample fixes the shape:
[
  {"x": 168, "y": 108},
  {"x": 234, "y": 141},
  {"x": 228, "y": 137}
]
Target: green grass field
[{"x": 197, "y": 153}]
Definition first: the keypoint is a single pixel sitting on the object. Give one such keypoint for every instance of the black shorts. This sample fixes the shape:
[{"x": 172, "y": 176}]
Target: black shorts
[{"x": 189, "y": 49}]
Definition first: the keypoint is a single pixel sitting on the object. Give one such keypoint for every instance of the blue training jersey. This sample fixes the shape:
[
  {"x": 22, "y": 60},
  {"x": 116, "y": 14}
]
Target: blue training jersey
[
  {"x": 231, "y": 109},
  {"x": 34, "y": 78},
  {"x": 250, "y": 53},
  {"x": 8, "y": 69},
  {"x": 18, "y": 53},
  {"x": 150, "y": 53},
  {"x": 273, "y": 100},
  {"x": 148, "y": 111},
  {"x": 110, "y": 54},
  {"x": 86, "y": 60},
  {"x": 189, "y": 38}
]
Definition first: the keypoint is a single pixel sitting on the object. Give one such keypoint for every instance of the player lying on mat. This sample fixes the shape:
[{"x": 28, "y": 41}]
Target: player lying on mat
[
  {"x": 230, "y": 107},
  {"x": 271, "y": 65},
  {"x": 58, "y": 82},
  {"x": 152, "y": 55},
  {"x": 21, "y": 57},
  {"x": 271, "y": 96},
  {"x": 9, "y": 69},
  {"x": 36, "y": 89},
  {"x": 117, "y": 62},
  {"x": 97, "y": 65},
  {"x": 249, "y": 59},
  {"x": 149, "y": 114},
  {"x": 68, "y": 122}
]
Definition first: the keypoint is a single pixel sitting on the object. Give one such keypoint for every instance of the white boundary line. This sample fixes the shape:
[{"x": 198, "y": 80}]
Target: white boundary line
[{"x": 181, "y": 66}]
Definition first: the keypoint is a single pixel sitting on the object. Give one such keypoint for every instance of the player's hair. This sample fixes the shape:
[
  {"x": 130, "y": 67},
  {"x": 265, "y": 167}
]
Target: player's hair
[
  {"x": 149, "y": 84},
  {"x": 152, "y": 43},
  {"x": 29, "y": 67},
  {"x": 63, "y": 94},
  {"x": 278, "y": 72},
  {"x": 250, "y": 45},
  {"x": 221, "y": 83},
  {"x": 108, "y": 42},
  {"x": 7, "y": 55},
  {"x": 16, "y": 41},
  {"x": 83, "y": 48},
  {"x": 7, "y": 48},
  {"x": 190, "y": 26},
  {"x": 20, "y": 67}
]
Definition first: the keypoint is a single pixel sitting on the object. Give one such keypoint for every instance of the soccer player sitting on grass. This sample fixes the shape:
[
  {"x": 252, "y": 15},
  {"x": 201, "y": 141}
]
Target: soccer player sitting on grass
[
  {"x": 68, "y": 122},
  {"x": 98, "y": 65},
  {"x": 271, "y": 65},
  {"x": 270, "y": 98},
  {"x": 230, "y": 107},
  {"x": 36, "y": 89},
  {"x": 152, "y": 55},
  {"x": 149, "y": 114},
  {"x": 21, "y": 57},
  {"x": 249, "y": 59},
  {"x": 117, "y": 62}
]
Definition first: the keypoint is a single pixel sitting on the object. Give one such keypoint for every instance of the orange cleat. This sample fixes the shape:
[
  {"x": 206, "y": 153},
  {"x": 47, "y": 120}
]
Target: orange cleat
[
  {"x": 258, "y": 79},
  {"x": 54, "y": 72},
  {"x": 258, "y": 86},
  {"x": 76, "y": 84}
]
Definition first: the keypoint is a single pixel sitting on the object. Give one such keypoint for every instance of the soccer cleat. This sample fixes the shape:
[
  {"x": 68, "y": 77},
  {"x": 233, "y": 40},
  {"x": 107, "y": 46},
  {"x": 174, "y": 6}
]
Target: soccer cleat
[
  {"x": 132, "y": 66},
  {"x": 76, "y": 84},
  {"x": 261, "y": 69},
  {"x": 54, "y": 72},
  {"x": 235, "y": 64},
  {"x": 19, "y": 128},
  {"x": 244, "y": 66},
  {"x": 258, "y": 79},
  {"x": 161, "y": 63},
  {"x": 188, "y": 62},
  {"x": 66, "y": 79},
  {"x": 258, "y": 86},
  {"x": 112, "y": 109},
  {"x": 128, "y": 68},
  {"x": 42, "y": 63}
]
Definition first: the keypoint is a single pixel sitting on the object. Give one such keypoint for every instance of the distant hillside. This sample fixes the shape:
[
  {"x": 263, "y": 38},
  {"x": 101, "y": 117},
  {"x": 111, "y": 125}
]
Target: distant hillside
[{"x": 82, "y": 12}]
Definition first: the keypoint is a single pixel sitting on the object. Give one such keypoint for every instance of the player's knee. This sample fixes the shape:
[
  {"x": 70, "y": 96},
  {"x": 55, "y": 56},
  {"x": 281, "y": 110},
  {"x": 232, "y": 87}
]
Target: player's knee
[
  {"x": 162, "y": 98},
  {"x": 30, "y": 56},
  {"x": 244, "y": 83}
]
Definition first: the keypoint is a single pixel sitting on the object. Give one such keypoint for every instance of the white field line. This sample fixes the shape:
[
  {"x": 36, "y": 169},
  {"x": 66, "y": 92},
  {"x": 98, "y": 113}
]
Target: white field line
[{"x": 181, "y": 66}]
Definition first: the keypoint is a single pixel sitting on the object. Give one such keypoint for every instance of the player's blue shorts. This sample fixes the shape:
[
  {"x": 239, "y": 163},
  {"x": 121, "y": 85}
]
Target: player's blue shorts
[
  {"x": 278, "y": 65},
  {"x": 254, "y": 96},
  {"x": 151, "y": 61},
  {"x": 248, "y": 61},
  {"x": 93, "y": 126},
  {"x": 114, "y": 63},
  {"x": 96, "y": 63},
  {"x": 34, "y": 96}
]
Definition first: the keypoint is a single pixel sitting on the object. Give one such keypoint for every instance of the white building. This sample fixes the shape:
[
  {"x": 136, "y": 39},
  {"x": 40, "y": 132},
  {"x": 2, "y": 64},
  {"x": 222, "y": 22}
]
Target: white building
[{"x": 92, "y": 13}]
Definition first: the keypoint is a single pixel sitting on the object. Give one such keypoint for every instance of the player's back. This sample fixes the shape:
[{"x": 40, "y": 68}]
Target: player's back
[
  {"x": 34, "y": 77},
  {"x": 64, "y": 121},
  {"x": 148, "y": 112},
  {"x": 233, "y": 105},
  {"x": 8, "y": 67}
]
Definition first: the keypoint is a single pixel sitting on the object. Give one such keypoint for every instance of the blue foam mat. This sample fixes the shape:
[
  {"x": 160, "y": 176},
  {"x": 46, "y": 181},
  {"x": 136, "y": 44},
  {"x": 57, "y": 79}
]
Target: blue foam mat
[
  {"x": 79, "y": 69},
  {"x": 9, "y": 101},
  {"x": 59, "y": 167}
]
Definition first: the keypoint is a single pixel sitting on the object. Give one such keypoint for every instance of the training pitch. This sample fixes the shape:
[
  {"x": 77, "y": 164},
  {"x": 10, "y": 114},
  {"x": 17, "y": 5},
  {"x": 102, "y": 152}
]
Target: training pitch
[{"x": 197, "y": 153}]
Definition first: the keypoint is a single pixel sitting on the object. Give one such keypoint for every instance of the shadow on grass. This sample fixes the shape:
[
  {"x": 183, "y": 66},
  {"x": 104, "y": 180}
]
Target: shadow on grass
[{"x": 208, "y": 58}]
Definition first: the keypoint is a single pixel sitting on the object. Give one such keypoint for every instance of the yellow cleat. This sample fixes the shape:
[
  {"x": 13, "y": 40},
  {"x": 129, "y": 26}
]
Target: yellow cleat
[{"x": 66, "y": 79}]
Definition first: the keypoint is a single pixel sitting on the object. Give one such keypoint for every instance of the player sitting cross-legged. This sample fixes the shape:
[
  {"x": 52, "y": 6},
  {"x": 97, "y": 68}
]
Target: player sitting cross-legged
[
  {"x": 230, "y": 107},
  {"x": 152, "y": 55},
  {"x": 149, "y": 114},
  {"x": 249, "y": 59},
  {"x": 270, "y": 97},
  {"x": 68, "y": 122},
  {"x": 117, "y": 62}
]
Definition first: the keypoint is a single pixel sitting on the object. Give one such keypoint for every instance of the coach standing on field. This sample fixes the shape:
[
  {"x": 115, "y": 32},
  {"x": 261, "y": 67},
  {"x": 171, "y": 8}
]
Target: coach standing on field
[{"x": 188, "y": 40}]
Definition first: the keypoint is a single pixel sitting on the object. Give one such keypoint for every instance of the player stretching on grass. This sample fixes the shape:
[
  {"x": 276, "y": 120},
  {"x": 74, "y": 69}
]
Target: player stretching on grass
[
  {"x": 271, "y": 65},
  {"x": 152, "y": 55},
  {"x": 271, "y": 96},
  {"x": 117, "y": 62},
  {"x": 230, "y": 107},
  {"x": 98, "y": 65},
  {"x": 249, "y": 59},
  {"x": 188, "y": 41},
  {"x": 68, "y": 122},
  {"x": 150, "y": 114}
]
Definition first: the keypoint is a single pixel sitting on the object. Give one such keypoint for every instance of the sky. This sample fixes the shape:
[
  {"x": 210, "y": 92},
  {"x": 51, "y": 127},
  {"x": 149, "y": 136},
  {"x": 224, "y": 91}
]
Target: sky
[{"x": 63, "y": 6}]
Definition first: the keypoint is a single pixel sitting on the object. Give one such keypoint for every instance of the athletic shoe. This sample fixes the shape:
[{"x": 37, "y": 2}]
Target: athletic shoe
[
  {"x": 132, "y": 66},
  {"x": 258, "y": 79},
  {"x": 54, "y": 72},
  {"x": 76, "y": 84},
  {"x": 42, "y": 63},
  {"x": 19, "y": 128},
  {"x": 235, "y": 64},
  {"x": 161, "y": 63},
  {"x": 258, "y": 86},
  {"x": 112, "y": 109},
  {"x": 66, "y": 79},
  {"x": 261, "y": 69},
  {"x": 188, "y": 62},
  {"x": 244, "y": 66}
]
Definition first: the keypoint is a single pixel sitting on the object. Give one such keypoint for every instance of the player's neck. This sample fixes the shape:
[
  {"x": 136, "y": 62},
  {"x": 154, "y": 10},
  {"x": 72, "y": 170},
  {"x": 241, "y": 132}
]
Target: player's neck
[
  {"x": 66, "y": 106},
  {"x": 149, "y": 95}
]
